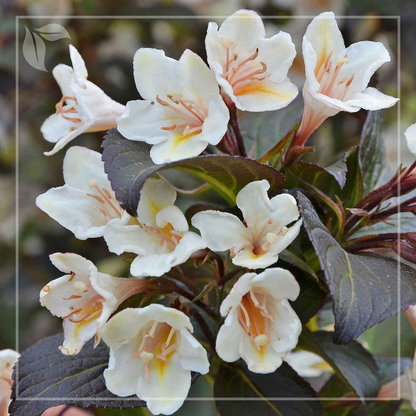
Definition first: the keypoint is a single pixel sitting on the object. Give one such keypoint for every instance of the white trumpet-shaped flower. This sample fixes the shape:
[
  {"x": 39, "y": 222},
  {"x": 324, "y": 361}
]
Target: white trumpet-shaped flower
[
  {"x": 182, "y": 111},
  {"x": 152, "y": 354},
  {"x": 7, "y": 360},
  {"x": 410, "y": 134},
  {"x": 160, "y": 238},
  {"x": 84, "y": 107},
  {"x": 337, "y": 77},
  {"x": 250, "y": 68},
  {"x": 261, "y": 327},
  {"x": 257, "y": 241},
  {"x": 84, "y": 298},
  {"x": 86, "y": 203}
]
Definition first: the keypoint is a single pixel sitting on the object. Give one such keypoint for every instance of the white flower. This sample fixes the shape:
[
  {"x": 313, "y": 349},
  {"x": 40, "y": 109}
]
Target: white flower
[
  {"x": 84, "y": 107},
  {"x": 152, "y": 354},
  {"x": 307, "y": 364},
  {"x": 182, "y": 111},
  {"x": 7, "y": 360},
  {"x": 84, "y": 298},
  {"x": 261, "y": 327},
  {"x": 160, "y": 238},
  {"x": 86, "y": 203},
  {"x": 410, "y": 134},
  {"x": 256, "y": 242},
  {"x": 337, "y": 77},
  {"x": 251, "y": 70}
]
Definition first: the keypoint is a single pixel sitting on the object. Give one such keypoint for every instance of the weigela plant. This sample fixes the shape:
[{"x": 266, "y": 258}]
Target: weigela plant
[{"x": 252, "y": 292}]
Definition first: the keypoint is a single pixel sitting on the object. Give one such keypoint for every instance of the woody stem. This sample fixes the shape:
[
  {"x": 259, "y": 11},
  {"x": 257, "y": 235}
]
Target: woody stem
[{"x": 237, "y": 132}]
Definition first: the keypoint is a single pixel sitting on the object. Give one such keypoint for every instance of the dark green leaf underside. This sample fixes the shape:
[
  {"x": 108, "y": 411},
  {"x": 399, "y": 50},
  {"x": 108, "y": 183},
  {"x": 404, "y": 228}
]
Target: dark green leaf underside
[{"x": 128, "y": 166}]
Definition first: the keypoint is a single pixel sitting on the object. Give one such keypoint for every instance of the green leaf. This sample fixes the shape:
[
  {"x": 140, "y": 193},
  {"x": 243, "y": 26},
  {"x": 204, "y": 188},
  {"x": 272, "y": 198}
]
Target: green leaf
[
  {"x": 264, "y": 130},
  {"x": 275, "y": 154},
  {"x": 44, "y": 375},
  {"x": 364, "y": 286},
  {"x": 350, "y": 361},
  {"x": 262, "y": 392},
  {"x": 371, "y": 151},
  {"x": 128, "y": 166}
]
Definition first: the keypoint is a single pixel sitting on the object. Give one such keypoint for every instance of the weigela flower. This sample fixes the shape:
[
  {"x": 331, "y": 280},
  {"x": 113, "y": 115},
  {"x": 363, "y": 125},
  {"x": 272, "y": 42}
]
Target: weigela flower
[
  {"x": 307, "y": 364},
  {"x": 152, "y": 354},
  {"x": 7, "y": 360},
  {"x": 86, "y": 203},
  {"x": 261, "y": 327},
  {"x": 159, "y": 235},
  {"x": 337, "y": 77},
  {"x": 410, "y": 134},
  {"x": 182, "y": 111},
  {"x": 84, "y": 298},
  {"x": 84, "y": 107},
  {"x": 251, "y": 69},
  {"x": 256, "y": 242}
]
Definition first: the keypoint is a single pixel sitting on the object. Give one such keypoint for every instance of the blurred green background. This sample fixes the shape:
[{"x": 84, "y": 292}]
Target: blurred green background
[{"x": 108, "y": 45}]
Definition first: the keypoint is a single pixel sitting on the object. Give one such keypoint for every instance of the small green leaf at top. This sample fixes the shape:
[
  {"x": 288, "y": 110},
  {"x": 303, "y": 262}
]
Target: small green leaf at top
[
  {"x": 128, "y": 166},
  {"x": 365, "y": 287},
  {"x": 278, "y": 393}
]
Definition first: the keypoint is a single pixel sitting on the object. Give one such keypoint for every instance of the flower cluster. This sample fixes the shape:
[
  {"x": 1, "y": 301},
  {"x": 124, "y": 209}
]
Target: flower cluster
[{"x": 187, "y": 107}]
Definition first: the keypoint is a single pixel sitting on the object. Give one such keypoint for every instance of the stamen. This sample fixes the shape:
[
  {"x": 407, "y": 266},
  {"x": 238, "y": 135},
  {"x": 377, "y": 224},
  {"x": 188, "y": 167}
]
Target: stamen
[
  {"x": 246, "y": 316},
  {"x": 161, "y": 102},
  {"x": 72, "y": 297},
  {"x": 169, "y": 128},
  {"x": 97, "y": 198}
]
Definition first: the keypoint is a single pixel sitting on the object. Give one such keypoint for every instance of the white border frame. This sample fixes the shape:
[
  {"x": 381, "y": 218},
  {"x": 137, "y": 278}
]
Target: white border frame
[{"x": 205, "y": 17}]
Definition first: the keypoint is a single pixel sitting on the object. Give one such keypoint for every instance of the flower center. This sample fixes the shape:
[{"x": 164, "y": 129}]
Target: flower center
[
  {"x": 254, "y": 318},
  {"x": 158, "y": 343},
  {"x": 243, "y": 73},
  {"x": 110, "y": 208},
  {"x": 168, "y": 235},
  {"x": 327, "y": 75},
  {"x": 261, "y": 240},
  {"x": 90, "y": 309},
  {"x": 191, "y": 115},
  {"x": 63, "y": 110}
]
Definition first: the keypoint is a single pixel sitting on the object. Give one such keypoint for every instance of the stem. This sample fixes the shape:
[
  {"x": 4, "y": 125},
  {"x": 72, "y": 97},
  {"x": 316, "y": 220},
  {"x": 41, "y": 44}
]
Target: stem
[
  {"x": 199, "y": 303},
  {"x": 237, "y": 132},
  {"x": 229, "y": 276}
]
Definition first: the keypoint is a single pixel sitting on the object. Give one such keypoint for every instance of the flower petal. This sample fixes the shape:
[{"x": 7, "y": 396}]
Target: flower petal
[
  {"x": 371, "y": 99},
  {"x": 74, "y": 210},
  {"x": 174, "y": 216},
  {"x": 156, "y": 195},
  {"x": 325, "y": 37},
  {"x": 221, "y": 230},
  {"x": 192, "y": 354},
  {"x": 143, "y": 121},
  {"x": 159, "y": 264},
  {"x": 64, "y": 75},
  {"x": 284, "y": 241},
  {"x": 304, "y": 362},
  {"x": 264, "y": 95},
  {"x": 156, "y": 74},
  {"x": 285, "y": 210},
  {"x": 279, "y": 283},
  {"x": 68, "y": 137},
  {"x": 229, "y": 338},
  {"x": 246, "y": 258},
  {"x": 244, "y": 28},
  {"x": 121, "y": 238},
  {"x": 168, "y": 386},
  {"x": 55, "y": 127},
  {"x": 254, "y": 203},
  {"x": 410, "y": 134},
  {"x": 71, "y": 263},
  {"x": 81, "y": 165},
  {"x": 80, "y": 70},
  {"x": 364, "y": 58},
  {"x": 123, "y": 370}
]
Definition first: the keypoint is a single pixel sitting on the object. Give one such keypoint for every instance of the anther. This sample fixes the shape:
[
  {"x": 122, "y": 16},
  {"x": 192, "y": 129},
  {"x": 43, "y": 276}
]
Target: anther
[{"x": 92, "y": 183}]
